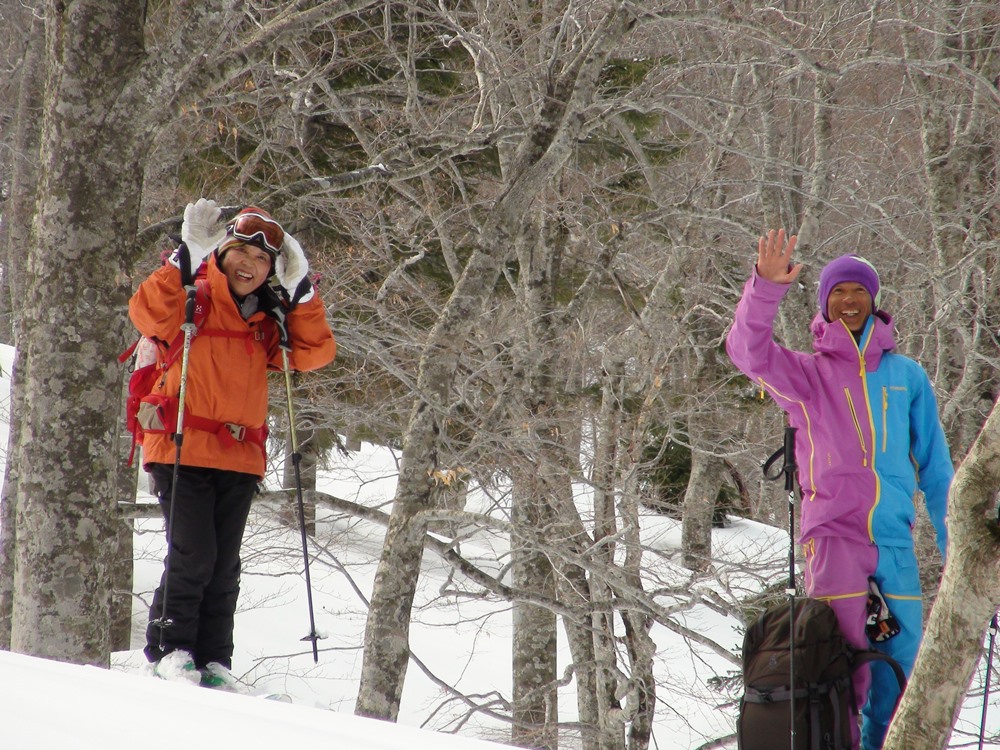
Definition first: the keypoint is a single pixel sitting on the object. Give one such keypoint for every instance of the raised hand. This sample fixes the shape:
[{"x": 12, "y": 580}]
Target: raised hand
[
  {"x": 292, "y": 268},
  {"x": 201, "y": 232},
  {"x": 774, "y": 257},
  {"x": 202, "y": 229}
]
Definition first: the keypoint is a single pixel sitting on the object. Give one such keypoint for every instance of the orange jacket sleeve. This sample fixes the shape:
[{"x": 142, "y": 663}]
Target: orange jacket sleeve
[
  {"x": 313, "y": 345},
  {"x": 157, "y": 307}
]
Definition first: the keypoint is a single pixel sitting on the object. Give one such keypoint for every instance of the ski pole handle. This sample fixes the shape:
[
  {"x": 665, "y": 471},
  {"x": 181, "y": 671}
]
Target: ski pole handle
[
  {"x": 280, "y": 316},
  {"x": 189, "y": 305},
  {"x": 790, "y": 465},
  {"x": 789, "y": 469}
]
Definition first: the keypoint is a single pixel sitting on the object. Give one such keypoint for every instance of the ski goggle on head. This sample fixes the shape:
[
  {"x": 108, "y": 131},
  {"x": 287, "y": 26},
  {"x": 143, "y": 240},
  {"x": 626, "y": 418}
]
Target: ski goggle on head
[{"x": 253, "y": 225}]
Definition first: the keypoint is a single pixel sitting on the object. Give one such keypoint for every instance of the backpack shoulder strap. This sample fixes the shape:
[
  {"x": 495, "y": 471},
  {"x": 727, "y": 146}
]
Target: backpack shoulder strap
[
  {"x": 269, "y": 327},
  {"x": 275, "y": 323},
  {"x": 202, "y": 300},
  {"x": 866, "y": 656},
  {"x": 123, "y": 357}
]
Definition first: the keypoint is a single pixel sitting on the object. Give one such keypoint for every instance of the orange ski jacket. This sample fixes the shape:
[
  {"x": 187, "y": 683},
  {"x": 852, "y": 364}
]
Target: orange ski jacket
[{"x": 227, "y": 369}]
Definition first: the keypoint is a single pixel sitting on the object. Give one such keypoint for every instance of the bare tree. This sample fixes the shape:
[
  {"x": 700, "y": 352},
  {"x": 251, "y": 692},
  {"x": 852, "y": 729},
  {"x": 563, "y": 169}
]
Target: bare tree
[
  {"x": 541, "y": 151},
  {"x": 954, "y": 74}
]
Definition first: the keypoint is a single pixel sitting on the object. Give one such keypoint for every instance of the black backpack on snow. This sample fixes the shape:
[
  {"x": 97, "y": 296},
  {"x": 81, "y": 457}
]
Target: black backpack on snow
[{"x": 824, "y": 694}]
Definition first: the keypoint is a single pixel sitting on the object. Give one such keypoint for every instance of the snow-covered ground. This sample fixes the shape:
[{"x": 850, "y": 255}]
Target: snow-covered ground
[
  {"x": 461, "y": 644},
  {"x": 54, "y": 706},
  {"x": 465, "y": 645}
]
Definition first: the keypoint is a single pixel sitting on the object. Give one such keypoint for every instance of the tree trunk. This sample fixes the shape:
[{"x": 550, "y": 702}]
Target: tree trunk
[
  {"x": 545, "y": 457},
  {"x": 122, "y": 561},
  {"x": 535, "y": 695},
  {"x": 605, "y": 472},
  {"x": 386, "y": 651},
  {"x": 576, "y": 597},
  {"x": 966, "y": 600},
  {"x": 640, "y": 703},
  {"x": 640, "y": 707},
  {"x": 16, "y": 227},
  {"x": 8, "y": 525},
  {"x": 72, "y": 310},
  {"x": 707, "y": 473}
]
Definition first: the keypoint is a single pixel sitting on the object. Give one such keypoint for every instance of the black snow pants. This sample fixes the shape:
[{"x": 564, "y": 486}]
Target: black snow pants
[{"x": 203, "y": 562}]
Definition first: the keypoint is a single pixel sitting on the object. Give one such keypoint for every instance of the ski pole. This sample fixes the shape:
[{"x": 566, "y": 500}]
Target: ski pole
[
  {"x": 989, "y": 671},
  {"x": 789, "y": 470},
  {"x": 188, "y": 327},
  {"x": 296, "y": 459}
]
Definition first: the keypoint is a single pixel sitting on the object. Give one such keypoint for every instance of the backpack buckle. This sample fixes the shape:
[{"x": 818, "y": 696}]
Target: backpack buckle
[{"x": 237, "y": 431}]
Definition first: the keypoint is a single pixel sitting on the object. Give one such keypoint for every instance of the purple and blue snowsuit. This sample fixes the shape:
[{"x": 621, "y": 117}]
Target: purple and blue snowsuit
[{"x": 868, "y": 435}]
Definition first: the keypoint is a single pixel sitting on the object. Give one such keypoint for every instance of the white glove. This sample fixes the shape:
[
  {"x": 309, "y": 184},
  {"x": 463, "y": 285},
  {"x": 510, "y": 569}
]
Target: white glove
[
  {"x": 291, "y": 268},
  {"x": 202, "y": 230}
]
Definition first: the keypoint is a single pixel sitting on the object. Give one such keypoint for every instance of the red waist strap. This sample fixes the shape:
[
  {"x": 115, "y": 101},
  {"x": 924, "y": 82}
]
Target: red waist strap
[{"x": 229, "y": 434}]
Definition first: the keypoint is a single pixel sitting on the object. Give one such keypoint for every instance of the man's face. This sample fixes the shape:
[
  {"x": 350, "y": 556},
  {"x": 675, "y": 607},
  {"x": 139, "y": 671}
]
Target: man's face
[
  {"x": 851, "y": 303},
  {"x": 246, "y": 267}
]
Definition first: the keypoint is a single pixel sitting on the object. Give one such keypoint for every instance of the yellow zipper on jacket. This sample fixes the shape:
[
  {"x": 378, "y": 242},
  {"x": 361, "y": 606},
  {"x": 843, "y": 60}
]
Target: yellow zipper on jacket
[
  {"x": 857, "y": 427},
  {"x": 871, "y": 426}
]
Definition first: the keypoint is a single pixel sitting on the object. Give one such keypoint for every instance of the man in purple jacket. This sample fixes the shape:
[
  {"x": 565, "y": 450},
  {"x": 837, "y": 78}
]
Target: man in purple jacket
[{"x": 868, "y": 435}]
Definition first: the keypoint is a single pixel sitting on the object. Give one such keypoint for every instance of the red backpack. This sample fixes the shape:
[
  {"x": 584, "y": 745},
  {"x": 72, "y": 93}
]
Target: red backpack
[{"x": 152, "y": 360}]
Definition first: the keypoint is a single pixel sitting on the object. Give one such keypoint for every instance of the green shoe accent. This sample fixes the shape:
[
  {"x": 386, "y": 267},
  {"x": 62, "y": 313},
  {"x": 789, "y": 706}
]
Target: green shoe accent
[
  {"x": 177, "y": 666},
  {"x": 217, "y": 677}
]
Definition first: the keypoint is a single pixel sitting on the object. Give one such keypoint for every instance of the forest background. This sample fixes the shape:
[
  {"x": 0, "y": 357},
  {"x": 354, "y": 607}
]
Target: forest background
[{"x": 532, "y": 221}]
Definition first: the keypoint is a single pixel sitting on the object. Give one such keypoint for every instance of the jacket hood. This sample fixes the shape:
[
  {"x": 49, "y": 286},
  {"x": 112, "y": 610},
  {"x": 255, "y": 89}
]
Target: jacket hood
[{"x": 834, "y": 338}]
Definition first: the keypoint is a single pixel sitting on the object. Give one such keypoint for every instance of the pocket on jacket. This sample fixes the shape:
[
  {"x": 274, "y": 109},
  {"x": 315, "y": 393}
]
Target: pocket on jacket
[{"x": 158, "y": 414}]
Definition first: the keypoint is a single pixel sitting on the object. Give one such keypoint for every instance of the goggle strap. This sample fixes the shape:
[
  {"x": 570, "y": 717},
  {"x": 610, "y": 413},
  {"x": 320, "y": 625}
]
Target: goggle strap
[{"x": 265, "y": 219}]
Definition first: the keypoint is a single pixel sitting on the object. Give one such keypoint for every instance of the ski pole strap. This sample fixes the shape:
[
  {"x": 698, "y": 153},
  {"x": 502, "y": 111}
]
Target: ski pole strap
[
  {"x": 271, "y": 303},
  {"x": 766, "y": 468},
  {"x": 788, "y": 465}
]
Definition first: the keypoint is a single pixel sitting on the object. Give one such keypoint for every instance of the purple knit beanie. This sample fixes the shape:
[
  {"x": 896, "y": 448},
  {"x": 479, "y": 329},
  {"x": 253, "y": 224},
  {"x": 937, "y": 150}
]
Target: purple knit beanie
[{"x": 848, "y": 268}]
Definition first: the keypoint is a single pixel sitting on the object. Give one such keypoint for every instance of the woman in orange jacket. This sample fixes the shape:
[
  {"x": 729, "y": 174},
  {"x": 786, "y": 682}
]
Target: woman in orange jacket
[{"x": 240, "y": 326}]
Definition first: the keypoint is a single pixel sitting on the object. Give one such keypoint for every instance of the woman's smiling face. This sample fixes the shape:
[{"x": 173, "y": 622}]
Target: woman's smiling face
[{"x": 246, "y": 267}]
